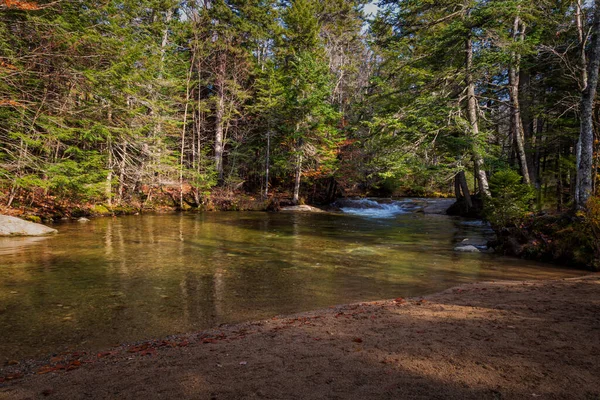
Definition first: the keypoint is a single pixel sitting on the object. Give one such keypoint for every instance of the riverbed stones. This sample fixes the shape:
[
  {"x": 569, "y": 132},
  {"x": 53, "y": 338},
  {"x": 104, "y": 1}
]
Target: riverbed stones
[{"x": 12, "y": 226}]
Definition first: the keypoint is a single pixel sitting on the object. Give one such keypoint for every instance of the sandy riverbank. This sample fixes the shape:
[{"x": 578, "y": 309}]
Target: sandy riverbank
[{"x": 537, "y": 339}]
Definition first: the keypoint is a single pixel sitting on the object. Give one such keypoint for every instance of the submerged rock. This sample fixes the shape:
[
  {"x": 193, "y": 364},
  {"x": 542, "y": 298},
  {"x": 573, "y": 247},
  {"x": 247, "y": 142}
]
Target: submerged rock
[
  {"x": 437, "y": 206},
  {"x": 467, "y": 249},
  {"x": 83, "y": 219},
  {"x": 302, "y": 208},
  {"x": 477, "y": 242},
  {"x": 12, "y": 226},
  {"x": 460, "y": 208}
]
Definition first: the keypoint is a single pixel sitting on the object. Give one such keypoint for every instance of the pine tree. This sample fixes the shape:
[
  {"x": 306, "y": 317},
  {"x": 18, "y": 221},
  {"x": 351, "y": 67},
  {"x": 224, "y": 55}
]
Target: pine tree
[{"x": 309, "y": 116}]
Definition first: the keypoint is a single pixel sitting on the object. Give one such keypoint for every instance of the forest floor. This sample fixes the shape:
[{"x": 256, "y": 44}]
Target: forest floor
[{"x": 535, "y": 339}]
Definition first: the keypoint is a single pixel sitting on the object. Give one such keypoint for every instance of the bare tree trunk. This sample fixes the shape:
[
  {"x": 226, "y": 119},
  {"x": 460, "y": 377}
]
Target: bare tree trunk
[
  {"x": 163, "y": 51},
  {"x": 109, "y": 176},
  {"x": 122, "y": 170},
  {"x": 584, "y": 78},
  {"x": 586, "y": 136},
  {"x": 462, "y": 184},
  {"x": 164, "y": 42},
  {"x": 267, "y": 162},
  {"x": 472, "y": 113},
  {"x": 219, "y": 116},
  {"x": 200, "y": 113},
  {"x": 582, "y": 43},
  {"x": 517, "y": 120},
  {"x": 183, "y": 130},
  {"x": 296, "y": 198}
]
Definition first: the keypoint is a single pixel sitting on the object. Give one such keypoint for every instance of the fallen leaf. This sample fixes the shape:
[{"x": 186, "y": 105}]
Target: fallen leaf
[
  {"x": 357, "y": 340},
  {"x": 48, "y": 368},
  {"x": 148, "y": 352},
  {"x": 106, "y": 354}
]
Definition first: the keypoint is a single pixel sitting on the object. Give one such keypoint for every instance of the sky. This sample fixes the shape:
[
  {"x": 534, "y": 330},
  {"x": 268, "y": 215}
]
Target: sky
[{"x": 371, "y": 9}]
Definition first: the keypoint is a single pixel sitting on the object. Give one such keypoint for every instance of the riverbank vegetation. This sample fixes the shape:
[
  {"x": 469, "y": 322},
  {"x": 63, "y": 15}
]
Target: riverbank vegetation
[{"x": 121, "y": 106}]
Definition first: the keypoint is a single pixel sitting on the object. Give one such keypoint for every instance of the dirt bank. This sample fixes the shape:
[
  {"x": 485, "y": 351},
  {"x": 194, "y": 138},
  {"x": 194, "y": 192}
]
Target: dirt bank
[{"x": 538, "y": 339}]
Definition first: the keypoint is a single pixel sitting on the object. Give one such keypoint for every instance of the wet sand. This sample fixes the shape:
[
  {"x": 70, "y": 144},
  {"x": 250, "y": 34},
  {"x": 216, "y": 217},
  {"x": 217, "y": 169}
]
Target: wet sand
[{"x": 535, "y": 339}]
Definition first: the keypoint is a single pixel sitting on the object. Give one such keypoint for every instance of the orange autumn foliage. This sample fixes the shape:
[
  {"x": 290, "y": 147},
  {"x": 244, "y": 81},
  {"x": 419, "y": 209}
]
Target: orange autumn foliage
[
  {"x": 10, "y": 103},
  {"x": 8, "y": 66},
  {"x": 20, "y": 5}
]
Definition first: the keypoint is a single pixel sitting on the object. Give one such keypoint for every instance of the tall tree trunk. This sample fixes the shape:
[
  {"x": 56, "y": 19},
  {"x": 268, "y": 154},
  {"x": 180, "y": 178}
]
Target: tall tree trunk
[
  {"x": 164, "y": 42},
  {"x": 219, "y": 115},
  {"x": 472, "y": 113},
  {"x": 582, "y": 36},
  {"x": 461, "y": 180},
  {"x": 161, "y": 68},
  {"x": 109, "y": 175},
  {"x": 183, "y": 131},
  {"x": 122, "y": 170},
  {"x": 513, "y": 83},
  {"x": 582, "y": 42},
  {"x": 584, "y": 188},
  {"x": 267, "y": 163},
  {"x": 296, "y": 198}
]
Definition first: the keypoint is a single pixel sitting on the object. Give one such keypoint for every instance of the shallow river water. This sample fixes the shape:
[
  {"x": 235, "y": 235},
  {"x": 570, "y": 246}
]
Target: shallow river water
[{"x": 115, "y": 280}]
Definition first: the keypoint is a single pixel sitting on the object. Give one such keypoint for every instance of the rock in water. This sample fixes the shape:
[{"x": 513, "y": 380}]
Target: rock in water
[
  {"x": 12, "y": 226},
  {"x": 467, "y": 249},
  {"x": 302, "y": 208},
  {"x": 438, "y": 206},
  {"x": 83, "y": 219}
]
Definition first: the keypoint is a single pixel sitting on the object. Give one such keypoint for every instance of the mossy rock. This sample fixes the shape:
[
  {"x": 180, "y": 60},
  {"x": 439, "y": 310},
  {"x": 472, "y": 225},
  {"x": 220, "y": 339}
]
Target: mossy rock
[
  {"x": 124, "y": 210},
  {"x": 100, "y": 209},
  {"x": 33, "y": 218},
  {"x": 185, "y": 207}
]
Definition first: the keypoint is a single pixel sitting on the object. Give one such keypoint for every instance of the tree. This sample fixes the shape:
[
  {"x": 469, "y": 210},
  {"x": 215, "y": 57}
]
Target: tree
[
  {"x": 309, "y": 116},
  {"x": 586, "y": 136}
]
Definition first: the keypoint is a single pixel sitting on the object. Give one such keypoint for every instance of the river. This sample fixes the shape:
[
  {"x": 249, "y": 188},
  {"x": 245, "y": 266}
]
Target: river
[{"x": 115, "y": 280}]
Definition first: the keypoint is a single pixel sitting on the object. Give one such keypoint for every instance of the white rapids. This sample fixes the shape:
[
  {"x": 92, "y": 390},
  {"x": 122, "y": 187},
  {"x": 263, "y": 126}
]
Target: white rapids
[{"x": 376, "y": 208}]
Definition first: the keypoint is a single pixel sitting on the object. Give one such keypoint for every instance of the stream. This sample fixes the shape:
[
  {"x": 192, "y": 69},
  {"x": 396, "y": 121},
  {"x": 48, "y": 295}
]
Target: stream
[{"x": 115, "y": 280}]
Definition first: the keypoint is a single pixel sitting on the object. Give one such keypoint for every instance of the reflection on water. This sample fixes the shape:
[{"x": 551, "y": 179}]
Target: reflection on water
[{"x": 115, "y": 280}]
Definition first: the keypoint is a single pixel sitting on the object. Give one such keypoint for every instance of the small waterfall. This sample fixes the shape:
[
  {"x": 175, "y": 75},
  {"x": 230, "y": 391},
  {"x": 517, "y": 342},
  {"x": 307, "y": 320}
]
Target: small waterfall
[{"x": 375, "y": 208}]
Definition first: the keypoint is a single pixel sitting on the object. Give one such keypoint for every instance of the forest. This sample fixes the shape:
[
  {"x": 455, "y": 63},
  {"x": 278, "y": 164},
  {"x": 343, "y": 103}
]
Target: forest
[
  {"x": 299, "y": 199},
  {"x": 119, "y": 105}
]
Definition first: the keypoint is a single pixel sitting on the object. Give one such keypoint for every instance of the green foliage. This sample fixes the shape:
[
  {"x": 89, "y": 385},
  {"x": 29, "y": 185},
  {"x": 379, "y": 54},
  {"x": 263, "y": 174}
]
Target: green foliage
[
  {"x": 111, "y": 100},
  {"x": 511, "y": 199},
  {"x": 77, "y": 180}
]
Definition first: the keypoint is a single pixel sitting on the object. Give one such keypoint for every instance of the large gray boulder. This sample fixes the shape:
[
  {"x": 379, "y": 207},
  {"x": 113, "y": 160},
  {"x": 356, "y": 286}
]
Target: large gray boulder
[{"x": 12, "y": 226}]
